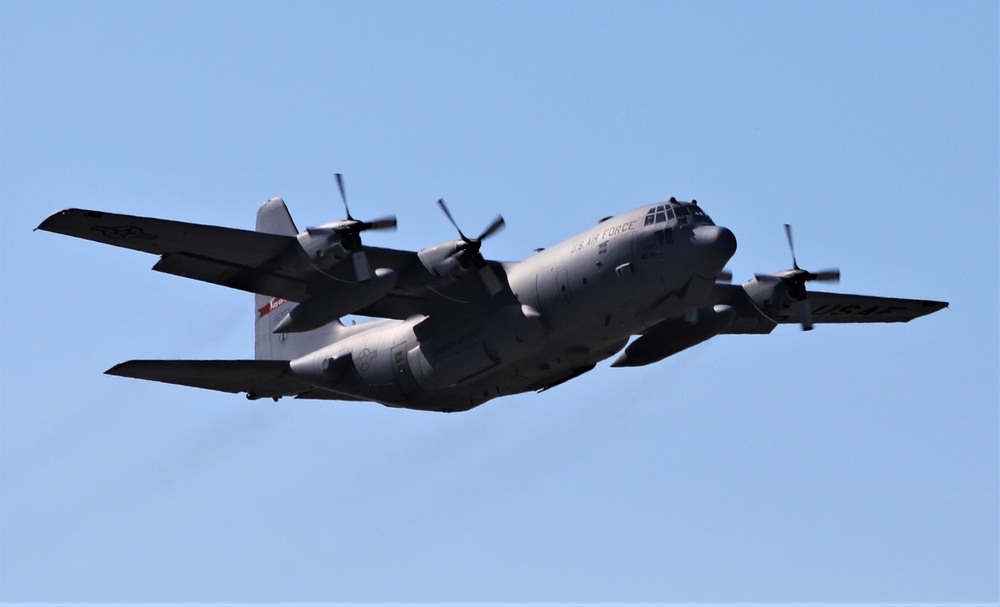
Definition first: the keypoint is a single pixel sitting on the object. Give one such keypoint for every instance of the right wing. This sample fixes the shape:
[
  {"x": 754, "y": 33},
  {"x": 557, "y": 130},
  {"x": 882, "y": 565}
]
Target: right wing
[
  {"x": 270, "y": 264},
  {"x": 224, "y": 256}
]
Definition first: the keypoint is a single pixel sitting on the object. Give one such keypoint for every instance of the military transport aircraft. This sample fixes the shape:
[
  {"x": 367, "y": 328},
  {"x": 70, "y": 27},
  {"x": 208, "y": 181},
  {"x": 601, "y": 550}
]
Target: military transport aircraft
[{"x": 455, "y": 329}]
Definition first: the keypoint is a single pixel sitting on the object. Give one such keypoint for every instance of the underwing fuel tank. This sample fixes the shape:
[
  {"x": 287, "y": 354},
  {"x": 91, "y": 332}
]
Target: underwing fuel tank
[
  {"x": 671, "y": 336},
  {"x": 319, "y": 310}
]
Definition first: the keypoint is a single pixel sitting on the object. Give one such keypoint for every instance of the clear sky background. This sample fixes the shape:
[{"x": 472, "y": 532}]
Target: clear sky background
[{"x": 850, "y": 464}]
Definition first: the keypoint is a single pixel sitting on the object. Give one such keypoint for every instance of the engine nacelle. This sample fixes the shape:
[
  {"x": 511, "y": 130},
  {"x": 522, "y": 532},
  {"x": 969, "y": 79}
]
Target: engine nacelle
[
  {"x": 324, "y": 247},
  {"x": 446, "y": 262},
  {"x": 671, "y": 336},
  {"x": 768, "y": 294}
]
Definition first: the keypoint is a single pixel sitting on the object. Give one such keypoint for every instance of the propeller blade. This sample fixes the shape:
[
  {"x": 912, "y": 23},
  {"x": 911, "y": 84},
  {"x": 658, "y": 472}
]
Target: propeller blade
[
  {"x": 362, "y": 269},
  {"x": 343, "y": 194},
  {"x": 490, "y": 280},
  {"x": 691, "y": 316},
  {"x": 831, "y": 275},
  {"x": 805, "y": 314},
  {"x": 497, "y": 225},
  {"x": 791, "y": 245},
  {"x": 725, "y": 276},
  {"x": 382, "y": 223},
  {"x": 447, "y": 214}
]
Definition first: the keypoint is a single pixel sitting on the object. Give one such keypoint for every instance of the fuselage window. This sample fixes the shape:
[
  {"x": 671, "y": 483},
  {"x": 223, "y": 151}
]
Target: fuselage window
[{"x": 663, "y": 237}]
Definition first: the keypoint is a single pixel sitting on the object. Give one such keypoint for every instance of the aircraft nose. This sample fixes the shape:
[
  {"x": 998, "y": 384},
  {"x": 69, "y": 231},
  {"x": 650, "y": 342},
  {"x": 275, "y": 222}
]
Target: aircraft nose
[{"x": 718, "y": 243}]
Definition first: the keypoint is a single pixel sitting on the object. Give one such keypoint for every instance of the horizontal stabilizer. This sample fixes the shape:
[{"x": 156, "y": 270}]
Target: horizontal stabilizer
[{"x": 258, "y": 378}]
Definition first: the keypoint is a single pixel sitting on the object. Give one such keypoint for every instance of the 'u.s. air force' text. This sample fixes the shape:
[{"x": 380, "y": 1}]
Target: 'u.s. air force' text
[{"x": 598, "y": 237}]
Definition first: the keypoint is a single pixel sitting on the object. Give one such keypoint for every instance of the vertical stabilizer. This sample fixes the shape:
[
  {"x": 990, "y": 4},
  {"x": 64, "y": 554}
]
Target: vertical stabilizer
[{"x": 273, "y": 218}]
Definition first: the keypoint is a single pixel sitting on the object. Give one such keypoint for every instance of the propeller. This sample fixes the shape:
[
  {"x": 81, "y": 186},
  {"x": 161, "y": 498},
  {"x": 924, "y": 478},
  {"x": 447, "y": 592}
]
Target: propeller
[
  {"x": 497, "y": 225},
  {"x": 382, "y": 223},
  {"x": 468, "y": 254},
  {"x": 796, "y": 279},
  {"x": 350, "y": 231}
]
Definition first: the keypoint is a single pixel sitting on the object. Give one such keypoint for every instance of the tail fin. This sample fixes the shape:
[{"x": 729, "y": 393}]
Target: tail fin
[{"x": 273, "y": 218}]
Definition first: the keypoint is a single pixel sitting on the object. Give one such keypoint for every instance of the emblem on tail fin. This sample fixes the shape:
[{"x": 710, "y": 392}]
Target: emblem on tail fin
[{"x": 269, "y": 307}]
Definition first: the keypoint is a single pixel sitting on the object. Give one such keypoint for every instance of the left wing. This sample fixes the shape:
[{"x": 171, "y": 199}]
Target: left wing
[
  {"x": 761, "y": 315},
  {"x": 842, "y": 308}
]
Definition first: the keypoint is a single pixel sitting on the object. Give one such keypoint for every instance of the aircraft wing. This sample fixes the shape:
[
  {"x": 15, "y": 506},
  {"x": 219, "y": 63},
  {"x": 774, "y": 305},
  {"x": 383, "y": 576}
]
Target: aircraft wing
[
  {"x": 258, "y": 378},
  {"x": 256, "y": 262},
  {"x": 840, "y": 308},
  {"x": 165, "y": 237},
  {"x": 263, "y": 377},
  {"x": 226, "y": 256},
  {"x": 826, "y": 308}
]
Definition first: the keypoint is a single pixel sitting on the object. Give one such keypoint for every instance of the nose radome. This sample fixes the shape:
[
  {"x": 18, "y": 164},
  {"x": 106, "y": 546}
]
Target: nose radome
[
  {"x": 719, "y": 238},
  {"x": 719, "y": 244}
]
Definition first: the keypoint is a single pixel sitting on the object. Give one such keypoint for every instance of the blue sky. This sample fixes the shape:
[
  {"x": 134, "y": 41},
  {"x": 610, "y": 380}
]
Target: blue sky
[{"x": 853, "y": 464}]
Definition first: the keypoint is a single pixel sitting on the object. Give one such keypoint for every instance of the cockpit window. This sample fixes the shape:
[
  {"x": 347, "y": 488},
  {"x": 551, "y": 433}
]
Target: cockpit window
[
  {"x": 684, "y": 213},
  {"x": 657, "y": 214},
  {"x": 697, "y": 212}
]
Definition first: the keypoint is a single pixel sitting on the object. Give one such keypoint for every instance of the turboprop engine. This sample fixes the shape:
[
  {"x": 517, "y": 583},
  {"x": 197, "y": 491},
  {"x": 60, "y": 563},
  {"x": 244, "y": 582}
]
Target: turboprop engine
[
  {"x": 671, "y": 336},
  {"x": 771, "y": 292},
  {"x": 449, "y": 261},
  {"x": 324, "y": 246}
]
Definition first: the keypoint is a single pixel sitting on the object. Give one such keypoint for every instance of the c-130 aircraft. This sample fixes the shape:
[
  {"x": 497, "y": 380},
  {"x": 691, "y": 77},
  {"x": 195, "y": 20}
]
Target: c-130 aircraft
[{"x": 455, "y": 329}]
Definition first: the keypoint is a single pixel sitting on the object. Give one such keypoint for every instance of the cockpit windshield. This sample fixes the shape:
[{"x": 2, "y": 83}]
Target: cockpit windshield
[
  {"x": 658, "y": 214},
  {"x": 685, "y": 213}
]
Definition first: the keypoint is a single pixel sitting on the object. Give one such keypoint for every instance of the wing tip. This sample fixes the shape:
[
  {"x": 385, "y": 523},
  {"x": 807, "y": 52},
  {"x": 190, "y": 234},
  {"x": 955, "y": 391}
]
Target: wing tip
[{"x": 50, "y": 223}]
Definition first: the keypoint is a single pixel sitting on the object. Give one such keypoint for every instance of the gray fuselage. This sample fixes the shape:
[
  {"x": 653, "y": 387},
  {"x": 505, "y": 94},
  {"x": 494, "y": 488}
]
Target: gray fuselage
[{"x": 574, "y": 304}]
